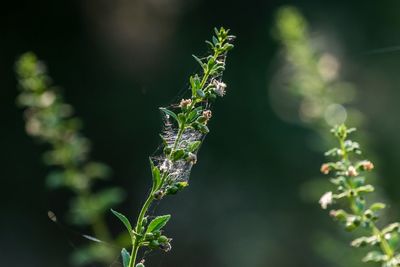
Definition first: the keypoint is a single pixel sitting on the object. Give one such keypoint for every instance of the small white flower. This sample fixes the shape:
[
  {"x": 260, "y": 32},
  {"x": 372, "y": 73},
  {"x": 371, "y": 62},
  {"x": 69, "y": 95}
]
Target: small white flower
[
  {"x": 192, "y": 158},
  {"x": 326, "y": 200},
  {"x": 47, "y": 98},
  {"x": 352, "y": 172},
  {"x": 219, "y": 88}
]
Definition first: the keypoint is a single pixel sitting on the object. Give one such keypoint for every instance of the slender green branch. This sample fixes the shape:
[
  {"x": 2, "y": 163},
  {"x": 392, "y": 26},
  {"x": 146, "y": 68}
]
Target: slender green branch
[
  {"x": 139, "y": 225},
  {"x": 182, "y": 136},
  {"x": 352, "y": 186}
]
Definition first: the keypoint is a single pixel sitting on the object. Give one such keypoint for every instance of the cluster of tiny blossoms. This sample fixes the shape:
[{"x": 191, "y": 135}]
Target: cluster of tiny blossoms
[
  {"x": 351, "y": 187},
  {"x": 186, "y": 124}
]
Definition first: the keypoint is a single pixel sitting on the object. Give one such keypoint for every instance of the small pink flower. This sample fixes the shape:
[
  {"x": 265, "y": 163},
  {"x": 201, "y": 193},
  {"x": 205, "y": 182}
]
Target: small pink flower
[
  {"x": 207, "y": 114},
  {"x": 185, "y": 103},
  {"x": 367, "y": 165},
  {"x": 325, "y": 168}
]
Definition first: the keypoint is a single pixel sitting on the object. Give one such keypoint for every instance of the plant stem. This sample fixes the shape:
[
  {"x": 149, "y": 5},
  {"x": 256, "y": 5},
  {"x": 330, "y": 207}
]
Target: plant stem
[
  {"x": 384, "y": 245},
  {"x": 136, "y": 242},
  {"x": 219, "y": 47},
  {"x": 183, "y": 125},
  {"x": 343, "y": 148},
  {"x": 179, "y": 136}
]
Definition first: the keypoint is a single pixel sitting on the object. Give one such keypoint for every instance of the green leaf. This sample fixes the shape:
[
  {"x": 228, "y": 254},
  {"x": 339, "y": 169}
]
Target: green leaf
[
  {"x": 210, "y": 44},
  {"x": 200, "y": 93},
  {"x": 339, "y": 215},
  {"x": 228, "y": 47},
  {"x": 182, "y": 118},
  {"x": 124, "y": 220},
  {"x": 204, "y": 129},
  {"x": 391, "y": 228},
  {"x": 158, "y": 223},
  {"x": 155, "y": 173},
  {"x": 217, "y": 31},
  {"x": 214, "y": 40},
  {"x": 198, "y": 60},
  {"x": 364, "y": 240},
  {"x": 125, "y": 257},
  {"x": 194, "y": 146},
  {"x": 178, "y": 154},
  {"x": 377, "y": 206},
  {"x": 170, "y": 113},
  {"x": 195, "y": 84},
  {"x": 192, "y": 115},
  {"x": 375, "y": 256},
  {"x": 365, "y": 189},
  {"x": 332, "y": 152}
]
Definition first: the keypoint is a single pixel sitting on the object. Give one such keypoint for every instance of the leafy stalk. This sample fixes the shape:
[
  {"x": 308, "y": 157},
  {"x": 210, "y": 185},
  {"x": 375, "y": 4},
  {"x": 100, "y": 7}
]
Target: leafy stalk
[
  {"x": 184, "y": 130},
  {"x": 353, "y": 188},
  {"x": 50, "y": 120}
]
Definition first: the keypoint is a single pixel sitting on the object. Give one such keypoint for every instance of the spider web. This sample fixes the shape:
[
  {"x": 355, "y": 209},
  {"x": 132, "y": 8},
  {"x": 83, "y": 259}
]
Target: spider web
[{"x": 179, "y": 170}]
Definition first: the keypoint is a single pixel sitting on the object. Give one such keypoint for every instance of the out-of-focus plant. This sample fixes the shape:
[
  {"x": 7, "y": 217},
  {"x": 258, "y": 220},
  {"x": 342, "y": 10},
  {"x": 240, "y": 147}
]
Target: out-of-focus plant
[
  {"x": 309, "y": 87},
  {"x": 51, "y": 121},
  {"x": 316, "y": 94},
  {"x": 185, "y": 126},
  {"x": 348, "y": 173}
]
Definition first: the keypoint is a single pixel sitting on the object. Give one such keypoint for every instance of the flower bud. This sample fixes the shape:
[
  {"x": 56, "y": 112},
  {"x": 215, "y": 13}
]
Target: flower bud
[
  {"x": 192, "y": 158},
  {"x": 325, "y": 168},
  {"x": 163, "y": 239},
  {"x": 172, "y": 190},
  {"x": 205, "y": 117},
  {"x": 182, "y": 185},
  {"x": 185, "y": 103},
  {"x": 158, "y": 194},
  {"x": 154, "y": 244},
  {"x": 165, "y": 246},
  {"x": 207, "y": 114},
  {"x": 352, "y": 172},
  {"x": 367, "y": 165},
  {"x": 149, "y": 236},
  {"x": 339, "y": 215}
]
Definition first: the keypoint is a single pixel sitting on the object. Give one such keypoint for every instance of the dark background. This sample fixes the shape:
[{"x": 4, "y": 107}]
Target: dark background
[{"x": 118, "y": 61}]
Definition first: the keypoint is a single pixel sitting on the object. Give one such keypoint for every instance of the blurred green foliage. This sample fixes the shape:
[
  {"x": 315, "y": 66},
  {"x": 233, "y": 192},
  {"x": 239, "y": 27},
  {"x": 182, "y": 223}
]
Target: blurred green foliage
[
  {"x": 50, "y": 120},
  {"x": 318, "y": 98},
  {"x": 317, "y": 92}
]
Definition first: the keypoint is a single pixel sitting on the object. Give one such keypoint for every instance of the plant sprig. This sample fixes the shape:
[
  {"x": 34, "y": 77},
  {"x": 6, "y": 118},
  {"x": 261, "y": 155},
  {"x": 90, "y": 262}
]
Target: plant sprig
[
  {"x": 352, "y": 188},
  {"x": 50, "y": 120},
  {"x": 184, "y": 130}
]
